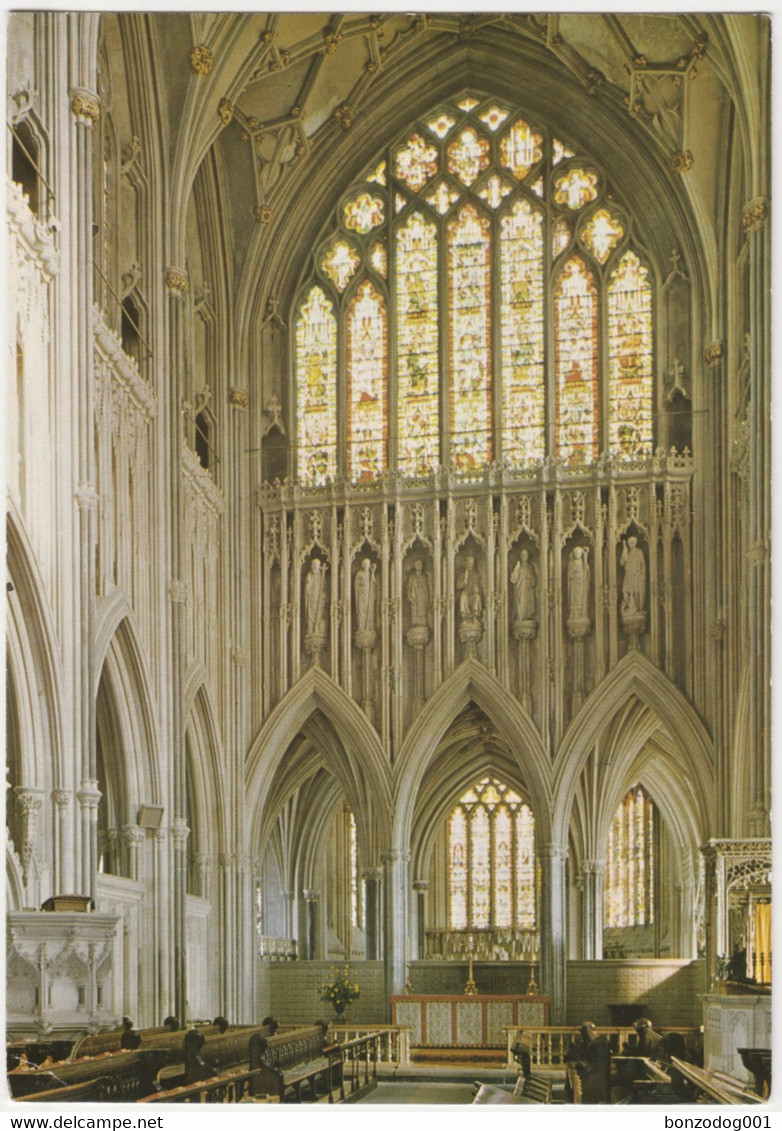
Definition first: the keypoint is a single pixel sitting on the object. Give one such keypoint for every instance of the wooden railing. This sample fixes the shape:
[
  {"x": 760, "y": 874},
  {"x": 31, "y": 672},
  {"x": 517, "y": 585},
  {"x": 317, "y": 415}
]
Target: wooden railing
[
  {"x": 393, "y": 1041},
  {"x": 549, "y": 1044},
  {"x": 228, "y": 1088},
  {"x": 359, "y": 1066}
]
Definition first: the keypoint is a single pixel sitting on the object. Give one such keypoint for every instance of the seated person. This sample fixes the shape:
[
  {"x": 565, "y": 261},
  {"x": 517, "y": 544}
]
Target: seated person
[
  {"x": 649, "y": 1043},
  {"x": 590, "y": 1055}
]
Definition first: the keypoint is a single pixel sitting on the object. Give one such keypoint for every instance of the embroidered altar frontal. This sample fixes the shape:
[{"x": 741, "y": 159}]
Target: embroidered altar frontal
[{"x": 467, "y": 1021}]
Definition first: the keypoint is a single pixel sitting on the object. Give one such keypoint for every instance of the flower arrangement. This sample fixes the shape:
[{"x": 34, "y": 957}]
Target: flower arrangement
[{"x": 339, "y": 991}]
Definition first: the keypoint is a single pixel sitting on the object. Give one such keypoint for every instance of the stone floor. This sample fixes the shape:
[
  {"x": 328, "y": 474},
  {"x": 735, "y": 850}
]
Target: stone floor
[{"x": 419, "y": 1092}]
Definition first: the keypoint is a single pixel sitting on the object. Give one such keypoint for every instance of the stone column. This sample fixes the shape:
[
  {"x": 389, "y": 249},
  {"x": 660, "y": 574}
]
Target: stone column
[
  {"x": 592, "y": 874},
  {"x": 373, "y": 878},
  {"x": 29, "y": 802},
  {"x": 395, "y": 915},
  {"x": 553, "y": 930},
  {"x": 89, "y": 797},
  {"x": 63, "y": 847},
  {"x": 133, "y": 836},
  {"x": 421, "y": 888},
  {"x": 312, "y": 899},
  {"x": 176, "y": 282}
]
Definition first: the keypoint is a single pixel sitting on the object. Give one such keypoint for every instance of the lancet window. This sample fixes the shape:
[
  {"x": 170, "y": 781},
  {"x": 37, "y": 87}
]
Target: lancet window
[
  {"x": 481, "y": 297},
  {"x": 491, "y": 860},
  {"x": 629, "y": 885}
]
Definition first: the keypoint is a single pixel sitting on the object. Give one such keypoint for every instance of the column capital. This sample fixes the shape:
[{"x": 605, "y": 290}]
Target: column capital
[
  {"x": 177, "y": 591},
  {"x": 395, "y": 856},
  {"x": 311, "y": 895},
  {"x": 133, "y": 835},
  {"x": 375, "y": 874},
  {"x": 85, "y": 107},
  {"x": 87, "y": 498},
  {"x": 592, "y": 867},
  {"x": 29, "y": 800},
  {"x": 89, "y": 795},
  {"x": 714, "y": 353},
  {"x": 179, "y": 832},
  {"x": 421, "y": 886},
  {"x": 61, "y": 798}
]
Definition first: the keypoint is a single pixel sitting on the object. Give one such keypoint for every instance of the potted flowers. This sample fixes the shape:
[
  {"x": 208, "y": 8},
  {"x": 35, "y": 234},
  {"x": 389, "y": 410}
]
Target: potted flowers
[{"x": 339, "y": 991}]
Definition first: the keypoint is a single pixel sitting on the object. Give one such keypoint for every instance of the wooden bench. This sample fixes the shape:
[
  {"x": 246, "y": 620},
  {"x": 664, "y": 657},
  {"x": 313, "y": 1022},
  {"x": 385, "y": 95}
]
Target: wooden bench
[
  {"x": 718, "y": 1086},
  {"x": 111, "y": 1040},
  {"x": 297, "y": 1066},
  {"x": 533, "y": 1091},
  {"x": 122, "y": 1076},
  {"x": 209, "y": 1055}
]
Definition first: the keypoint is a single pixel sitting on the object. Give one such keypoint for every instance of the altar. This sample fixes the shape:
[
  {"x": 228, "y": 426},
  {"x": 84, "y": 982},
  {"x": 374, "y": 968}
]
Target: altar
[{"x": 466, "y": 1020}]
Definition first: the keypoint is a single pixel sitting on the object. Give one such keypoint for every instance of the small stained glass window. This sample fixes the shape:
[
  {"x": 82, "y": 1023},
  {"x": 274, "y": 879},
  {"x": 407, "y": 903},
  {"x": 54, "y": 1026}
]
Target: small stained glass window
[
  {"x": 442, "y": 197},
  {"x": 441, "y": 125},
  {"x": 467, "y": 104},
  {"x": 602, "y": 233},
  {"x": 492, "y": 873},
  {"x": 520, "y": 149},
  {"x": 416, "y": 162},
  {"x": 364, "y": 213},
  {"x": 495, "y": 190},
  {"x": 340, "y": 263},
  {"x": 399, "y": 202},
  {"x": 575, "y": 188},
  {"x": 316, "y": 384},
  {"x": 468, "y": 156},
  {"x": 629, "y": 880},
  {"x": 493, "y": 117}
]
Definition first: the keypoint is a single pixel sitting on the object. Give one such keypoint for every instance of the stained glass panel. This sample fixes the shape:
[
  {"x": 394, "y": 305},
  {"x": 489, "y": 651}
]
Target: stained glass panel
[
  {"x": 503, "y": 868},
  {"x": 560, "y": 237},
  {"x": 441, "y": 125},
  {"x": 399, "y": 202},
  {"x": 521, "y": 273},
  {"x": 575, "y": 188},
  {"x": 630, "y": 359},
  {"x": 377, "y": 176},
  {"x": 316, "y": 384},
  {"x": 442, "y": 197},
  {"x": 494, "y": 191},
  {"x": 480, "y": 869},
  {"x": 378, "y": 258},
  {"x": 575, "y": 364},
  {"x": 602, "y": 233},
  {"x": 520, "y": 149},
  {"x": 467, "y": 104},
  {"x": 468, "y": 156},
  {"x": 526, "y": 879},
  {"x": 417, "y": 345},
  {"x": 367, "y": 366},
  {"x": 340, "y": 263},
  {"x": 457, "y": 870},
  {"x": 470, "y": 327},
  {"x": 416, "y": 162},
  {"x": 493, "y": 117},
  {"x": 560, "y": 152},
  {"x": 364, "y": 213}
]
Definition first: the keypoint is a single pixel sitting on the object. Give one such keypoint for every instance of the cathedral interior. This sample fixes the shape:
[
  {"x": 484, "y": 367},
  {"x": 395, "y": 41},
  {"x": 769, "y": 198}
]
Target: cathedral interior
[{"x": 388, "y": 513}]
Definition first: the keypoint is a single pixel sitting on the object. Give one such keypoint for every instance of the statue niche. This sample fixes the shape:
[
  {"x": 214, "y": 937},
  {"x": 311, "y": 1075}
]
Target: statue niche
[
  {"x": 470, "y": 599},
  {"x": 632, "y": 608},
  {"x": 315, "y": 604}
]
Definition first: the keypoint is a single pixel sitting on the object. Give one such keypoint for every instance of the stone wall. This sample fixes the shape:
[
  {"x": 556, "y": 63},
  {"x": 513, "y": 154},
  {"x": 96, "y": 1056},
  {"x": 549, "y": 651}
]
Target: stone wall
[
  {"x": 289, "y": 991},
  {"x": 667, "y": 987}
]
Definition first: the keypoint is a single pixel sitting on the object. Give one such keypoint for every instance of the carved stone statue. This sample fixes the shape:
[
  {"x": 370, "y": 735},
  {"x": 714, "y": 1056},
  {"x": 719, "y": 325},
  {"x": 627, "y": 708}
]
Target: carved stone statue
[
  {"x": 365, "y": 596},
  {"x": 633, "y": 563},
  {"x": 469, "y": 585},
  {"x": 316, "y": 608},
  {"x": 524, "y": 580},
  {"x": 578, "y": 575},
  {"x": 419, "y": 595}
]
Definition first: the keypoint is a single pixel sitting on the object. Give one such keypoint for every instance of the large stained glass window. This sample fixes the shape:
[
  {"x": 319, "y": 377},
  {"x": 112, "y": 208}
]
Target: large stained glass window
[
  {"x": 491, "y": 860},
  {"x": 629, "y": 879},
  {"x": 476, "y": 298}
]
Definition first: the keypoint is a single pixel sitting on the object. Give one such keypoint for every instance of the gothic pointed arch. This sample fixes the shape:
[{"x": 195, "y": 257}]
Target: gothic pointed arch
[
  {"x": 470, "y": 683},
  {"x": 357, "y": 750},
  {"x": 634, "y": 676},
  {"x": 34, "y": 662},
  {"x": 205, "y": 769}
]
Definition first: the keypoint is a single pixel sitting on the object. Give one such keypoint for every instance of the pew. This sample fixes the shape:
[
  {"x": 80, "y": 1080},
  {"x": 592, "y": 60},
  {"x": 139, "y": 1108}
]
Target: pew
[
  {"x": 88, "y": 1091},
  {"x": 642, "y": 1080},
  {"x": 207, "y": 1056},
  {"x": 297, "y": 1066},
  {"x": 122, "y": 1076},
  {"x": 493, "y": 1094},
  {"x": 111, "y": 1040}
]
